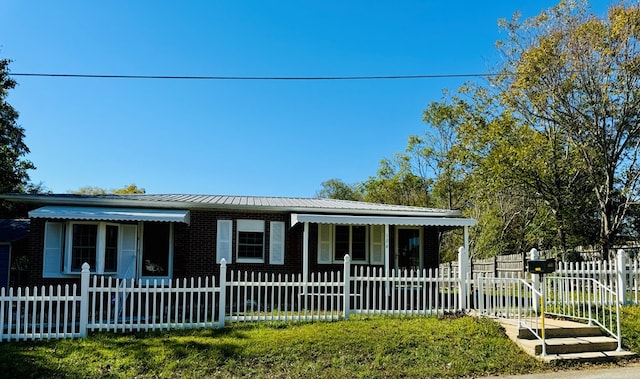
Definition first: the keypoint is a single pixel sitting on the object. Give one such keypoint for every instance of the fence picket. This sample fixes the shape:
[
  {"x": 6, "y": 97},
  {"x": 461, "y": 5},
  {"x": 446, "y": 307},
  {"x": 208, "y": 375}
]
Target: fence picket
[{"x": 120, "y": 305}]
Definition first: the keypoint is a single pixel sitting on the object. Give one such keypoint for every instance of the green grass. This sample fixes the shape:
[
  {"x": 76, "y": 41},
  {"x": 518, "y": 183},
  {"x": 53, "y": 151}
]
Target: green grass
[
  {"x": 630, "y": 325},
  {"x": 365, "y": 348}
]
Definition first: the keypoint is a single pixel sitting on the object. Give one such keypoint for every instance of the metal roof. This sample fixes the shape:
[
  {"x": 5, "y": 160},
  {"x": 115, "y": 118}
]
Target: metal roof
[
  {"x": 110, "y": 214},
  {"x": 251, "y": 203},
  {"x": 381, "y": 220}
]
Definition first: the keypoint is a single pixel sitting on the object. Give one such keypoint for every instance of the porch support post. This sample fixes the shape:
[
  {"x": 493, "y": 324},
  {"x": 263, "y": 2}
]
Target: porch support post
[
  {"x": 466, "y": 240},
  {"x": 305, "y": 252},
  {"x": 386, "y": 249},
  {"x": 386, "y": 258}
]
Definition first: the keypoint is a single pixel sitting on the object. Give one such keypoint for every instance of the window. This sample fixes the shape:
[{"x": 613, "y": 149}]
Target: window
[
  {"x": 84, "y": 246},
  {"x": 94, "y": 243},
  {"x": 250, "y": 241},
  {"x": 109, "y": 248},
  {"x": 352, "y": 240},
  {"x": 335, "y": 241}
]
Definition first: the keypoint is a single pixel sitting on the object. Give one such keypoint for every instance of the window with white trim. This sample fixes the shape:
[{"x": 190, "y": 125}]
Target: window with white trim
[
  {"x": 109, "y": 248},
  {"x": 93, "y": 242},
  {"x": 352, "y": 240},
  {"x": 250, "y": 241},
  {"x": 335, "y": 241}
]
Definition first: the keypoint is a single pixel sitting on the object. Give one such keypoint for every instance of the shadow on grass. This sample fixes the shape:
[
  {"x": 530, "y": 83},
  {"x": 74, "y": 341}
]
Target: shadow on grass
[{"x": 107, "y": 354}]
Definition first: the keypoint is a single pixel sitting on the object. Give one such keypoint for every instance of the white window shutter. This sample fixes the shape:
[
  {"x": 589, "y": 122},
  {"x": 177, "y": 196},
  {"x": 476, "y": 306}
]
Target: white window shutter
[
  {"x": 276, "y": 243},
  {"x": 325, "y": 243},
  {"x": 53, "y": 242},
  {"x": 127, "y": 251},
  {"x": 224, "y": 240},
  {"x": 377, "y": 244}
]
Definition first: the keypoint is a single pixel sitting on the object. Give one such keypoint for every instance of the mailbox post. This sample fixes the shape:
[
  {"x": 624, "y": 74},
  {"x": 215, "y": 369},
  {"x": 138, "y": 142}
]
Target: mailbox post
[{"x": 541, "y": 267}]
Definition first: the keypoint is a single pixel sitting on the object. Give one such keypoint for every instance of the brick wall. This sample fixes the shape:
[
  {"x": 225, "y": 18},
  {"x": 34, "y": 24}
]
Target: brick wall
[
  {"x": 195, "y": 244},
  {"x": 195, "y": 247},
  {"x": 35, "y": 253}
]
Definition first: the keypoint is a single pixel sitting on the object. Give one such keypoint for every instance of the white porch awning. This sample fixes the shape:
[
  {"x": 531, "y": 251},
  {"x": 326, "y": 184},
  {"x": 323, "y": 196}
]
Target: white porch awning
[
  {"x": 381, "y": 220},
  {"x": 110, "y": 214}
]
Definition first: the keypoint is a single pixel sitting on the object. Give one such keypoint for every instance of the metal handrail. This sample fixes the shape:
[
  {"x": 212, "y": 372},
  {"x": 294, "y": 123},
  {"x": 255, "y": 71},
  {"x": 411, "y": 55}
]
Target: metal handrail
[
  {"x": 585, "y": 299},
  {"x": 495, "y": 298}
]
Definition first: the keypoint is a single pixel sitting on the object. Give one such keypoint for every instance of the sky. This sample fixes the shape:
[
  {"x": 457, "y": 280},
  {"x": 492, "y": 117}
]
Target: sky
[{"x": 236, "y": 137}]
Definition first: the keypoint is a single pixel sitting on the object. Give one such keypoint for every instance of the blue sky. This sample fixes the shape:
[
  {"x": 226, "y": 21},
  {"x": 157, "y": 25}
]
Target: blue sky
[{"x": 265, "y": 138}]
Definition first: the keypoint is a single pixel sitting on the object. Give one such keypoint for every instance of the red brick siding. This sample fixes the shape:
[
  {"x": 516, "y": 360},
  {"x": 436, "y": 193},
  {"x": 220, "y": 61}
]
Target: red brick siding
[
  {"x": 35, "y": 252},
  {"x": 195, "y": 244},
  {"x": 195, "y": 247}
]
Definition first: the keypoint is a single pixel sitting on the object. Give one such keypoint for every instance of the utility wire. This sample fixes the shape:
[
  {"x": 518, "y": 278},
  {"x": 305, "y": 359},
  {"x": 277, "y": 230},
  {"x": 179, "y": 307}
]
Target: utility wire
[{"x": 290, "y": 78}]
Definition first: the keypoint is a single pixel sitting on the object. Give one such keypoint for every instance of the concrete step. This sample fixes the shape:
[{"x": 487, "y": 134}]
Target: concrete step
[
  {"x": 568, "y": 345},
  {"x": 560, "y": 332},
  {"x": 566, "y": 340}
]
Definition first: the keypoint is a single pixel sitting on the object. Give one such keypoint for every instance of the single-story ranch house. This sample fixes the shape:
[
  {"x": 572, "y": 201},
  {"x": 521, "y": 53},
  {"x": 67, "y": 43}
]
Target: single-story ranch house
[{"x": 175, "y": 236}]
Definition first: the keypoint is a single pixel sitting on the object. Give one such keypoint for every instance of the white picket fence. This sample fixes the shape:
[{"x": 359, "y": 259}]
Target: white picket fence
[
  {"x": 158, "y": 305},
  {"x": 106, "y": 304},
  {"x": 336, "y": 295},
  {"x": 35, "y": 314}
]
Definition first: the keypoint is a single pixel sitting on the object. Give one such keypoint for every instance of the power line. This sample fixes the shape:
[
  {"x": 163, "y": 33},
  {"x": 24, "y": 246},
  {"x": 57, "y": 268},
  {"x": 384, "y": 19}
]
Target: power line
[{"x": 289, "y": 78}]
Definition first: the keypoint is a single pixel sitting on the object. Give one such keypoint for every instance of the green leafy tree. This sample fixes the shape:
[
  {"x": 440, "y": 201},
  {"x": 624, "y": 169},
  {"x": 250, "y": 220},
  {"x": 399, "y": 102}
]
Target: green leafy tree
[
  {"x": 14, "y": 167},
  {"x": 397, "y": 183},
  {"x": 578, "y": 74},
  {"x": 128, "y": 189},
  {"x": 537, "y": 168},
  {"x": 437, "y": 149},
  {"x": 89, "y": 190},
  {"x": 337, "y": 189}
]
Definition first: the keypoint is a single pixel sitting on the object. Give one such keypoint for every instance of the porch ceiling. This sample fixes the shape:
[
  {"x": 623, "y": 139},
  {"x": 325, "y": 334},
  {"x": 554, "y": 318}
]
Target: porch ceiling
[
  {"x": 110, "y": 214},
  {"x": 381, "y": 220}
]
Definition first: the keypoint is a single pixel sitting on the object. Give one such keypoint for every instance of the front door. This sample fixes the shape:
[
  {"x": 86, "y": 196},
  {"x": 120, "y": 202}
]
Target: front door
[{"x": 408, "y": 249}]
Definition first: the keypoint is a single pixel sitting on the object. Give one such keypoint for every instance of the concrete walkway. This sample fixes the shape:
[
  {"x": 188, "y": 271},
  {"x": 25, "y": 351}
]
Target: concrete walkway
[{"x": 629, "y": 371}]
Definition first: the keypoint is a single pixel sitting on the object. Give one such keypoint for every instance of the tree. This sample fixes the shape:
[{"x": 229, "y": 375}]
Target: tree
[
  {"x": 437, "y": 149},
  {"x": 534, "y": 168},
  {"x": 569, "y": 71},
  {"x": 397, "y": 183},
  {"x": 14, "y": 167},
  {"x": 129, "y": 189},
  {"x": 337, "y": 189}
]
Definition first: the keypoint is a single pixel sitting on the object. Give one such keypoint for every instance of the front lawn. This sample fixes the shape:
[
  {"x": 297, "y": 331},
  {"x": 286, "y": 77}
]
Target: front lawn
[{"x": 379, "y": 347}]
